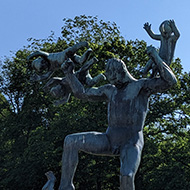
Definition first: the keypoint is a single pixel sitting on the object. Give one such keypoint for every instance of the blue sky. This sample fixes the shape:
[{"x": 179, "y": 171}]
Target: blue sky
[{"x": 22, "y": 19}]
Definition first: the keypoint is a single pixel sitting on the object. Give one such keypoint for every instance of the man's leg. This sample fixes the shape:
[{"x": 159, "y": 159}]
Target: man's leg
[
  {"x": 130, "y": 159},
  {"x": 90, "y": 142}
]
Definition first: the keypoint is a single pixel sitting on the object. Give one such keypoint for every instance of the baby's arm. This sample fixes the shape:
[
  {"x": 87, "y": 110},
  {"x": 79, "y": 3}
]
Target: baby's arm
[
  {"x": 174, "y": 29},
  {"x": 147, "y": 27}
]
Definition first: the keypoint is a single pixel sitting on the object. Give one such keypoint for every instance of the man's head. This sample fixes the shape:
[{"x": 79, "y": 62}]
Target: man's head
[
  {"x": 165, "y": 29},
  {"x": 117, "y": 73}
]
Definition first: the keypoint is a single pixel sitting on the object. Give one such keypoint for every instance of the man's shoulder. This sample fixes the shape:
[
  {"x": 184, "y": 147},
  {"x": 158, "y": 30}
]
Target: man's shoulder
[
  {"x": 105, "y": 88},
  {"x": 139, "y": 82},
  {"x": 109, "y": 87}
]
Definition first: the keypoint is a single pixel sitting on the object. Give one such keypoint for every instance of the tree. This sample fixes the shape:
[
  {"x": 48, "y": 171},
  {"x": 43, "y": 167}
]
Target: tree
[{"x": 32, "y": 129}]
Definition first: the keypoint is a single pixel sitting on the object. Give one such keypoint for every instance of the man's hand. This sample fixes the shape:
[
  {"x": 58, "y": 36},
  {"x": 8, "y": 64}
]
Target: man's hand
[{"x": 68, "y": 67}]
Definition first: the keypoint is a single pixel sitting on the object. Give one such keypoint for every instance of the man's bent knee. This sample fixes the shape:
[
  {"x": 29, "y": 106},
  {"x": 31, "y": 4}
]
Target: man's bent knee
[
  {"x": 69, "y": 141},
  {"x": 127, "y": 174}
]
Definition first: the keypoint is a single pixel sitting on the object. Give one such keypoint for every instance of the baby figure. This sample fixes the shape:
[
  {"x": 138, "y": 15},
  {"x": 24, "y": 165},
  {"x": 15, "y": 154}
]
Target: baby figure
[
  {"x": 51, "y": 181},
  {"x": 168, "y": 37}
]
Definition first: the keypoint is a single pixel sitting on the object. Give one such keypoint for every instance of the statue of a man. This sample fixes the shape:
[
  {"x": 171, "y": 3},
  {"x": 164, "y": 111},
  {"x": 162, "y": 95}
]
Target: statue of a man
[{"x": 127, "y": 100}]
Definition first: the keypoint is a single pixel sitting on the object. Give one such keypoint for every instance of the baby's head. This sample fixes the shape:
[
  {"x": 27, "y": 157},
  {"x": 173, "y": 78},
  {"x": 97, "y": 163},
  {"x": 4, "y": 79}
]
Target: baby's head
[
  {"x": 165, "y": 29},
  {"x": 40, "y": 64}
]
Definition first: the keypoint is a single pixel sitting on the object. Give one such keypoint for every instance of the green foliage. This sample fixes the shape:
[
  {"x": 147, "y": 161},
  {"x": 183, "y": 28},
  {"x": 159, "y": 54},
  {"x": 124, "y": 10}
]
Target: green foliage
[
  {"x": 32, "y": 130},
  {"x": 88, "y": 28}
]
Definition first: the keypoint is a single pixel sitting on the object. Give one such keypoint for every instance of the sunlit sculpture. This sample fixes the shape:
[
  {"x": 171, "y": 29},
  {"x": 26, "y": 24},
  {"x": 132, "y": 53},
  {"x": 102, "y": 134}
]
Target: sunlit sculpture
[
  {"x": 168, "y": 37},
  {"x": 127, "y": 100},
  {"x": 47, "y": 63}
]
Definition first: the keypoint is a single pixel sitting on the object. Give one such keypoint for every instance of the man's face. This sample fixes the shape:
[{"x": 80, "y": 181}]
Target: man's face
[
  {"x": 114, "y": 76},
  {"x": 111, "y": 76}
]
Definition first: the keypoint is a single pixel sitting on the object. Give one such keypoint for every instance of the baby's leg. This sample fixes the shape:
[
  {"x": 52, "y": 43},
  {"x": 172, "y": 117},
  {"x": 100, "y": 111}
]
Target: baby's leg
[
  {"x": 81, "y": 59},
  {"x": 73, "y": 49},
  {"x": 147, "y": 67}
]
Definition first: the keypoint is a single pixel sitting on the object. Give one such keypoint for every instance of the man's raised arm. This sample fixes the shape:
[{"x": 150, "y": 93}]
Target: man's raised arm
[
  {"x": 164, "y": 70},
  {"x": 91, "y": 94},
  {"x": 167, "y": 78}
]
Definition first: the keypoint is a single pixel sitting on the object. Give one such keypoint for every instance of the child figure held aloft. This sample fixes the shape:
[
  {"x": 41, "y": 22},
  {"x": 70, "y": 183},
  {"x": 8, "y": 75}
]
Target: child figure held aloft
[{"x": 168, "y": 37}]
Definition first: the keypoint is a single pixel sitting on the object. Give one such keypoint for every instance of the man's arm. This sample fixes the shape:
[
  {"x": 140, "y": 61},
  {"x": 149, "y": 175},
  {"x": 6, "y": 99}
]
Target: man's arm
[
  {"x": 147, "y": 27},
  {"x": 91, "y": 94},
  {"x": 167, "y": 77}
]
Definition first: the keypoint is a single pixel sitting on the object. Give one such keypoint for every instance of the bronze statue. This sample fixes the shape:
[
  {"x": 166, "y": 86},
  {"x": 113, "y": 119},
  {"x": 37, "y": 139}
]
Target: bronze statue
[
  {"x": 127, "y": 100},
  {"x": 51, "y": 181},
  {"x": 168, "y": 37},
  {"x": 48, "y": 63}
]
